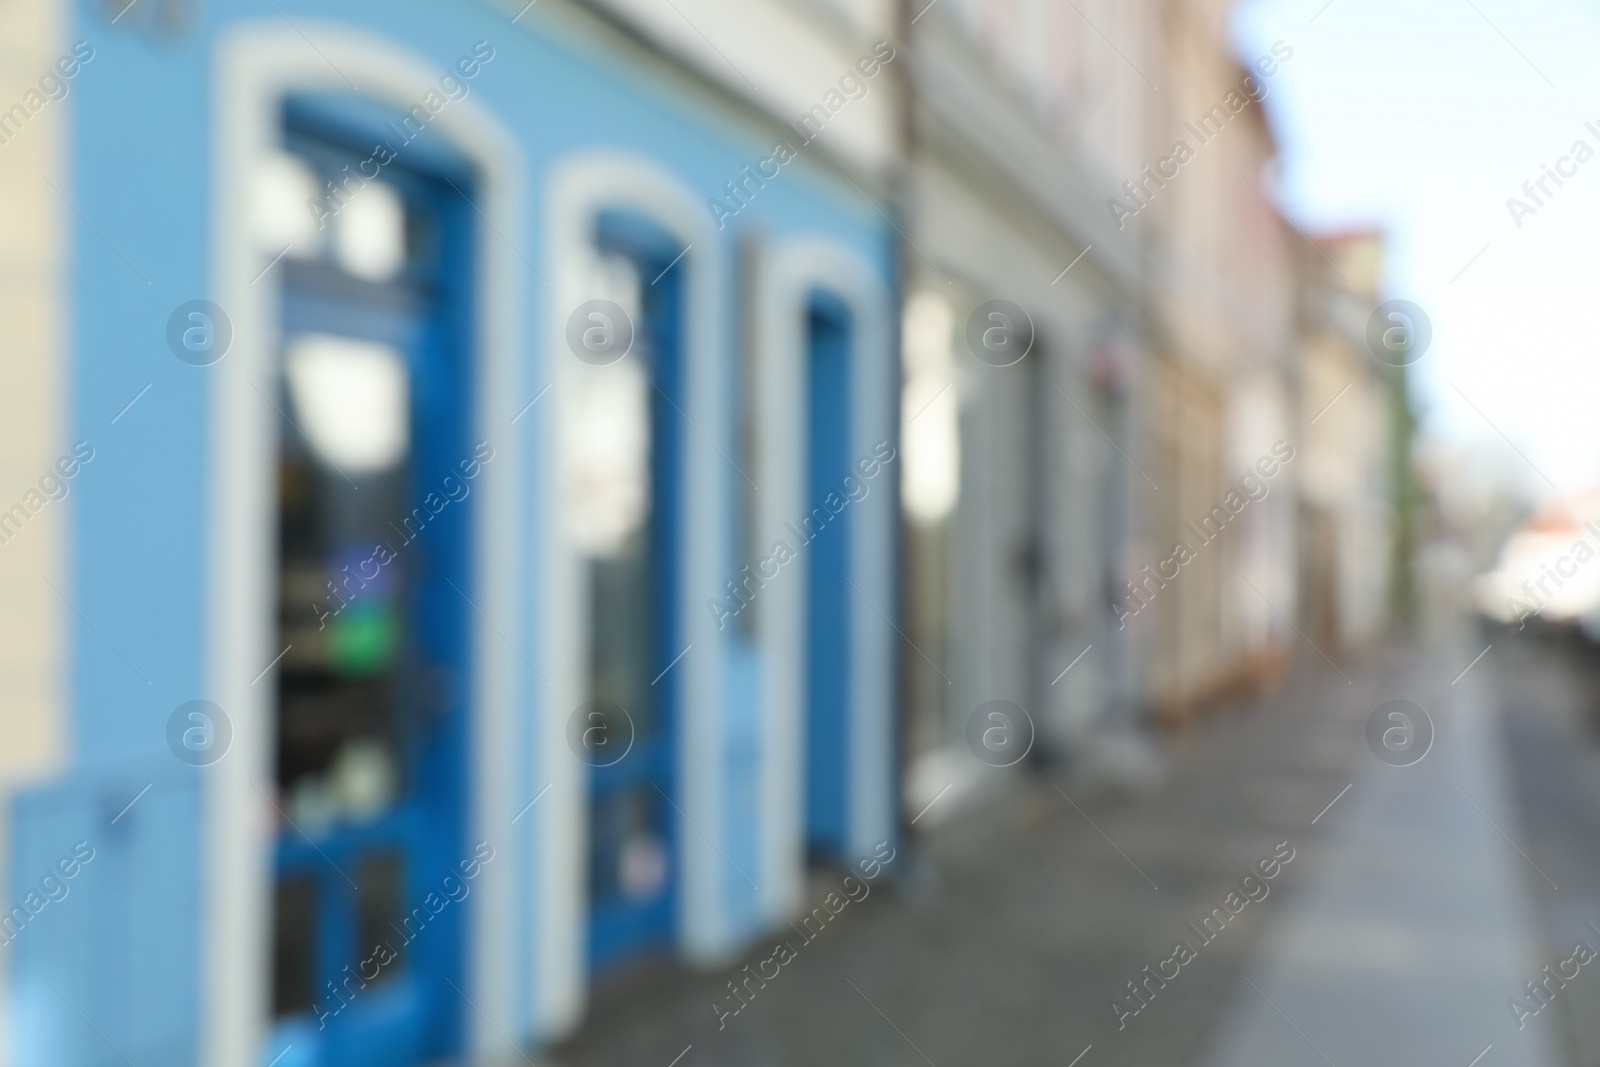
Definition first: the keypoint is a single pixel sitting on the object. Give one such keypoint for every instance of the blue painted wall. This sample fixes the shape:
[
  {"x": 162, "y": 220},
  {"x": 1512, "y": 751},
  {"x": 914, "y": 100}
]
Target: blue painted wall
[{"x": 123, "y": 946}]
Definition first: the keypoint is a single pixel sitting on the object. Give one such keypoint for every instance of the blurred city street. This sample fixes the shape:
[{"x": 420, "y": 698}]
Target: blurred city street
[
  {"x": 784, "y": 533},
  {"x": 1396, "y": 935}
]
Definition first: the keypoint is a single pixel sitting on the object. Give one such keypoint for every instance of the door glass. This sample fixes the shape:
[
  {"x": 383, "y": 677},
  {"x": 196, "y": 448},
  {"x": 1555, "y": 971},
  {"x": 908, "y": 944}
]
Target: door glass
[
  {"x": 930, "y": 467},
  {"x": 623, "y": 438},
  {"x": 352, "y": 401},
  {"x": 369, "y": 233},
  {"x": 294, "y": 947},
  {"x": 611, "y": 492},
  {"x": 343, "y": 478},
  {"x": 373, "y": 519},
  {"x": 614, "y": 404},
  {"x": 380, "y": 910}
]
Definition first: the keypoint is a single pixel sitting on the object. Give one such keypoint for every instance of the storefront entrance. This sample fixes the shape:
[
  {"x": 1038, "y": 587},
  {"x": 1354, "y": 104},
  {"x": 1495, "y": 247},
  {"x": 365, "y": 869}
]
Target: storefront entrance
[{"x": 374, "y": 506}]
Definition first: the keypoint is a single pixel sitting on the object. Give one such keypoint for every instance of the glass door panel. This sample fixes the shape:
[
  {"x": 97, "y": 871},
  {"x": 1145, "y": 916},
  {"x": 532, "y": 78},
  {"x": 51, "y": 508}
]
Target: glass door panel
[
  {"x": 632, "y": 574},
  {"x": 372, "y": 514}
]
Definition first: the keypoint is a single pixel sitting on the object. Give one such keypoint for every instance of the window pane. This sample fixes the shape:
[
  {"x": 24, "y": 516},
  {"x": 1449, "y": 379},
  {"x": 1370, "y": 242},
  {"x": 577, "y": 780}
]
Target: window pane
[
  {"x": 370, "y": 232},
  {"x": 378, "y": 911},
  {"x": 294, "y": 946}
]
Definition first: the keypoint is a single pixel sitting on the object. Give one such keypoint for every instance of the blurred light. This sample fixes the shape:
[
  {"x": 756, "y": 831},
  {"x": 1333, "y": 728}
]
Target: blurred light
[
  {"x": 607, "y": 431},
  {"x": 370, "y": 232},
  {"x": 364, "y": 779},
  {"x": 643, "y": 869},
  {"x": 1550, "y": 566},
  {"x": 284, "y": 188},
  {"x": 930, "y": 413},
  {"x": 609, "y": 443},
  {"x": 352, "y": 399},
  {"x": 313, "y": 805}
]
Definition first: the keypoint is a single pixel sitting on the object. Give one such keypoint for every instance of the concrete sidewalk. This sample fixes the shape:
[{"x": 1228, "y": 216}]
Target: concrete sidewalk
[
  {"x": 1413, "y": 927},
  {"x": 1395, "y": 936}
]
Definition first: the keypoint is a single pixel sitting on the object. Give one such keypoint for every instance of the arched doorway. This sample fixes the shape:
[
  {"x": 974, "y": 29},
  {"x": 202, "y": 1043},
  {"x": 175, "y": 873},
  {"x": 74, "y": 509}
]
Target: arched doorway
[{"x": 373, "y": 514}]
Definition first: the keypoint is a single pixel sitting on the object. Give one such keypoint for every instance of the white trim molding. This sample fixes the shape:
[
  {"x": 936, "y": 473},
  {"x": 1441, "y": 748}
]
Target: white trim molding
[
  {"x": 255, "y": 66},
  {"x": 788, "y": 275},
  {"x": 580, "y": 187}
]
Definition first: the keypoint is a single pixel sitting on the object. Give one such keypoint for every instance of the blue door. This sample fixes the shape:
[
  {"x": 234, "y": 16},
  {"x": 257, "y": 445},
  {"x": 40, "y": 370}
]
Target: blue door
[
  {"x": 826, "y": 528},
  {"x": 374, "y": 504},
  {"x": 633, "y": 596}
]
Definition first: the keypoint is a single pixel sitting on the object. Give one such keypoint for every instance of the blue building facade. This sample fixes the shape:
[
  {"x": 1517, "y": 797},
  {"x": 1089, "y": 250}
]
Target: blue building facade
[{"x": 490, "y": 584}]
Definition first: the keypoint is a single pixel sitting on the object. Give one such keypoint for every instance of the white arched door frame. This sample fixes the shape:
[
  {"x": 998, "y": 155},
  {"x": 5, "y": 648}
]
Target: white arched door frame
[
  {"x": 788, "y": 275},
  {"x": 580, "y": 187},
  {"x": 256, "y": 65}
]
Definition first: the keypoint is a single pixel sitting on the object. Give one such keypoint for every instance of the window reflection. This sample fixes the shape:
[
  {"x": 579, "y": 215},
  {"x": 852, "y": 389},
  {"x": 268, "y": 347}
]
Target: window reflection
[
  {"x": 608, "y": 433},
  {"x": 343, "y": 477},
  {"x": 931, "y": 490},
  {"x": 931, "y": 413},
  {"x": 282, "y": 187},
  {"x": 351, "y": 400},
  {"x": 369, "y": 232}
]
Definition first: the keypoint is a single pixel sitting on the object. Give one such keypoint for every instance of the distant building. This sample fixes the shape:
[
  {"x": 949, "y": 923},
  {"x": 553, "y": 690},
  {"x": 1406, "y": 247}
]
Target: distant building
[
  {"x": 1350, "y": 504},
  {"x": 1025, "y": 345},
  {"x": 1216, "y": 567}
]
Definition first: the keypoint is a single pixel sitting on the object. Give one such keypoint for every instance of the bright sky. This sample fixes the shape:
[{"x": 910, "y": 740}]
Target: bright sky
[{"x": 1423, "y": 117}]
